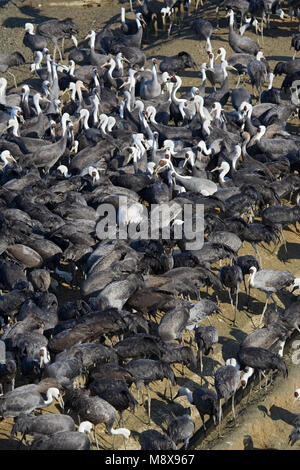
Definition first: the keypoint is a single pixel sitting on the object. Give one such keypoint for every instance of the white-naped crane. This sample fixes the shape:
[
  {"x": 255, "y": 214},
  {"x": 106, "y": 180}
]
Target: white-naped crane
[{"x": 270, "y": 281}]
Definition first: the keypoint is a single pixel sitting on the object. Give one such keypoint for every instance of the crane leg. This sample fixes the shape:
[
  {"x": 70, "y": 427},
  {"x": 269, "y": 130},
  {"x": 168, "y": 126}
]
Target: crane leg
[
  {"x": 232, "y": 407},
  {"x": 265, "y": 307},
  {"x": 95, "y": 438},
  {"x": 283, "y": 239},
  {"x": 220, "y": 419},
  {"x": 204, "y": 427},
  {"x": 149, "y": 403},
  {"x": 15, "y": 81}
]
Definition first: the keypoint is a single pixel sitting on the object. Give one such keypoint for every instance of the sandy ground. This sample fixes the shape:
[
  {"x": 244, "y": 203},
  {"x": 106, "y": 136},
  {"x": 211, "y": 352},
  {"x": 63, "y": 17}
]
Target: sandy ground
[{"x": 266, "y": 417}]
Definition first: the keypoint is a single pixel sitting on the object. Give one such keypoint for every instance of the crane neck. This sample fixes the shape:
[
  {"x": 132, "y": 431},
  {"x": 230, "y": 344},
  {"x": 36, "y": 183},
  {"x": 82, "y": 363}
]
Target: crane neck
[
  {"x": 174, "y": 98},
  {"x": 111, "y": 68},
  {"x": 224, "y": 172},
  {"x": 36, "y": 102},
  {"x": 84, "y": 114}
]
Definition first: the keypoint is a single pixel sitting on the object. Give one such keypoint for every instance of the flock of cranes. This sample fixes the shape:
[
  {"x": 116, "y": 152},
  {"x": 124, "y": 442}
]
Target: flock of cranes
[{"x": 105, "y": 127}]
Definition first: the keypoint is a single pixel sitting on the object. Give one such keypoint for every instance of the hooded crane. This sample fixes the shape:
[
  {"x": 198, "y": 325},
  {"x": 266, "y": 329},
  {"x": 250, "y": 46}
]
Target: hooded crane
[
  {"x": 269, "y": 281},
  {"x": 260, "y": 359},
  {"x": 146, "y": 371},
  {"x": 57, "y": 29},
  {"x": 95, "y": 409},
  {"x": 241, "y": 44},
  {"x": 206, "y": 338},
  {"x": 231, "y": 277},
  {"x": 47, "y": 157},
  {"x": 258, "y": 72},
  {"x": 180, "y": 429},
  {"x": 8, "y": 369},
  {"x": 45, "y": 424},
  {"x": 204, "y": 399},
  {"x": 10, "y": 60},
  {"x": 151, "y": 88},
  {"x": 227, "y": 379},
  {"x": 14, "y": 403},
  {"x": 65, "y": 440},
  {"x": 35, "y": 42}
]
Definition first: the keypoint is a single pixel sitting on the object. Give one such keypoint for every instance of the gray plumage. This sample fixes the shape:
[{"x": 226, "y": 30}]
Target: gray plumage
[
  {"x": 10, "y": 60},
  {"x": 242, "y": 44},
  {"x": 140, "y": 346},
  {"x": 16, "y": 402},
  {"x": 226, "y": 379},
  {"x": 294, "y": 436},
  {"x": 261, "y": 359},
  {"x": 203, "y": 30},
  {"x": 270, "y": 337},
  {"x": 257, "y": 71},
  {"x": 270, "y": 280},
  {"x": 238, "y": 96},
  {"x": 180, "y": 429},
  {"x": 206, "y": 338},
  {"x": 46, "y": 424},
  {"x": 64, "y": 440},
  {"x": 154, "y": 440},
  {"x": 201, "y": 310},
  {"x": 90, "y": 354},
  {"x": 173, "y": 323},
  {"x": 291, "y": 316},
  {"x": 204, "y": 399}
]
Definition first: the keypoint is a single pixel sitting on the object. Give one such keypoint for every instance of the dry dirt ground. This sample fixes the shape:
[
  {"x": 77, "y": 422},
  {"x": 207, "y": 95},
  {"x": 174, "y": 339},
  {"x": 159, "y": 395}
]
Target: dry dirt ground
[{"x": 263, "y": 422}]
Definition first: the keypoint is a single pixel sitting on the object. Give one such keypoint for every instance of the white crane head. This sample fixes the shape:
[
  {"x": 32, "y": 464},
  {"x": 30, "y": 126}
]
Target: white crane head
[
  {"x": 86, "y": 426},
  {"x": 252, "y": 270},
  {"x": 296, "y": 284},
  {"x": 7, "y": 157},
  {"x": 297, "y": 395},
  {"x": 63, "y": 169},
  {"x": 189, "y": 157},
  {"x": 29, "y": 28},
  {"x": 260, "y": 55},
  {"x": 94, "y": 173},
  {"x": 232, "y": 362},
  {"x": 90, "y": 34},
  {"x": 44, "y": 356},
  {"x": 221, "y": 53},
  {"x": 261, "y": 130},
  {"x": 246, "y": 376},
  {"x": 53, "y": 392}
]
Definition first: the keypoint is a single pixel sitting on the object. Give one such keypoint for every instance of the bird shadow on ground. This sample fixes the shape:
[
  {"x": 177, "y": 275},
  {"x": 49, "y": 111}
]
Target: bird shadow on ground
[
  {"x": 210, "y": 365},
  {"x": 34, "y": 17},
  {"x": 238, "y": 335},
  {"x": 159, "y": 410},
  {"x": 292, "y": 252},
  {"x": 230, "y": 347},
  {"x": 11, "y": 444},
  {"x": 277, "y": 413},
  {"x": 185, "y": 382},
  {"x": 286, "y": 298}
]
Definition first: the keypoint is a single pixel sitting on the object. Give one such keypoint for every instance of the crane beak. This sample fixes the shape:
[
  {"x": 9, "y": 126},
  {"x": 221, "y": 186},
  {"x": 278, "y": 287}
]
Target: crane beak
[
  {"x": 61, "y": 402},
  {"x": 124, "y": 84},
  {"x": 215, "y": 169},
  {"x": 230, "y": 67}
]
